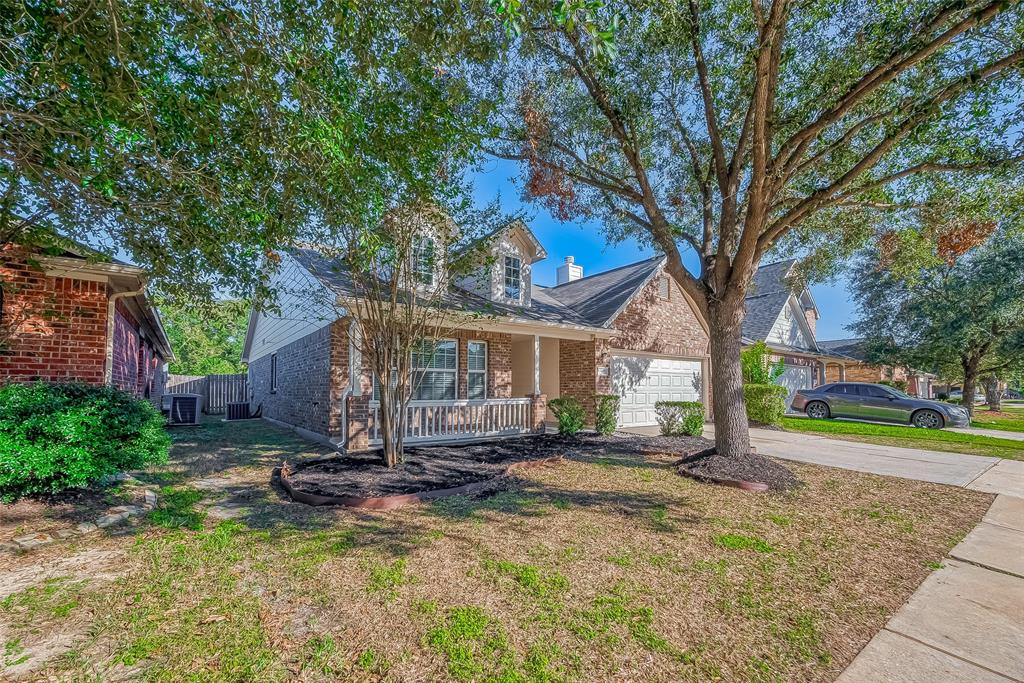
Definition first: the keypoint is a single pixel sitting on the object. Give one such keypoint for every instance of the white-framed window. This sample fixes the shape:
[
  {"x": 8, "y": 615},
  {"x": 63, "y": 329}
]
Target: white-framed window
[
  {"x": 435, "y": 366},
  {"x": 273, "y": 373},
  {"x": 423, "y": 260},
  {"x": 513, "y": 277},
  {"x": 476, "y": 366},
  {"x": 663, "y": 287}
]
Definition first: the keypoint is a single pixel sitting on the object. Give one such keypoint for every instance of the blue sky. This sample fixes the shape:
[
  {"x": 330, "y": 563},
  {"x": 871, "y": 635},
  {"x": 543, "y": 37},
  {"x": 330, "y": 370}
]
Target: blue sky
[{"x": 585, "y": 241}]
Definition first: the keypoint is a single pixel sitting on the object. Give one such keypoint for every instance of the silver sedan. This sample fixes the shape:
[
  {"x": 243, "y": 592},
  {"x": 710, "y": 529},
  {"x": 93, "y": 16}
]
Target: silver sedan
[{"x": 878, "y": 403}]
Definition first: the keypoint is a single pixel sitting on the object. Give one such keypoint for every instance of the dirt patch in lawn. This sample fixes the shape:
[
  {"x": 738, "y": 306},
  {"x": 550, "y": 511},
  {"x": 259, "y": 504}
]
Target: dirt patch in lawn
[
  {"x": 432, "y": 468},
  {"x": 46, "y": 513}
]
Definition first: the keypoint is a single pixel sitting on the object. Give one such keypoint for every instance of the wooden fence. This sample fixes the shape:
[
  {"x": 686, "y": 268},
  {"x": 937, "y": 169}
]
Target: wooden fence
[{"x": 217, "y": 390}]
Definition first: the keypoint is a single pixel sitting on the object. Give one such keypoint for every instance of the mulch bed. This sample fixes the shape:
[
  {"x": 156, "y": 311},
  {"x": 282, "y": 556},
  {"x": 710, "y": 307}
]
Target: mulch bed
[
  {"x": 745, "y": 473},
  {"x": 444, "y": 467}
]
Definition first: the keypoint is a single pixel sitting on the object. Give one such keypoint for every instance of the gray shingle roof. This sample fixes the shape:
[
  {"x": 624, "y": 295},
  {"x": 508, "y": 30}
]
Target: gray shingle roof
[
  {"x": 543, "y": 309},
  {"x": 768, "y": 293},
  {"x": 597, "y": 298},
  {"x": 851, "y": 348}
]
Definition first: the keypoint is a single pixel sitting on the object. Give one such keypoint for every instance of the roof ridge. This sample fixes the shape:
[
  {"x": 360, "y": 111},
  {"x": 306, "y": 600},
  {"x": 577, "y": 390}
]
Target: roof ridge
[{"x": 605, "y": 272}]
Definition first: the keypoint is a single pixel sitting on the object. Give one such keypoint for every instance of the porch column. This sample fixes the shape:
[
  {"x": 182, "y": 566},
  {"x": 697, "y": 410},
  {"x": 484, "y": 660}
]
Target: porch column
[
  {"x": 536, "y": 365},
  {"x": 842, "y": 372}
]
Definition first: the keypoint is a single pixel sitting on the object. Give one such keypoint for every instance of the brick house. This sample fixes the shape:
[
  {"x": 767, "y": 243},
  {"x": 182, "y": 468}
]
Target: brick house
[
  {"x": 629, "y": 331},
  {"x": 844, "y": 361},
  {"x": 72, "y": 317}
]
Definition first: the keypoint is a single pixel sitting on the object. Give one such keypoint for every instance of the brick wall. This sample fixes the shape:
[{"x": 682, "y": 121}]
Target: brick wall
[
  {"x": 311, "y": 375},
  {"x": 55, "y": 327},
  {"x": 124, "y": 371},
  {"x": 666, "y": 326}
]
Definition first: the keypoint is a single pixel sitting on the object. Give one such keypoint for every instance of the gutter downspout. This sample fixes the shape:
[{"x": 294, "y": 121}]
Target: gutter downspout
[
  {"x": 108, "y": 366},
  {"x": 352, "y": 379}
]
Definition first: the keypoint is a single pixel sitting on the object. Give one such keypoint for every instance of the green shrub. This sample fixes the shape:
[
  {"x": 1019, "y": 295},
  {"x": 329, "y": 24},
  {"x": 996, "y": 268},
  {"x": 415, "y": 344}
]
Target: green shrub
[
  {"x": 677, "y": 418},
  {"x": 942, "y": 396},
  {"x": 606, "y": 413},
  {"x": 570, "y": 414},
  {"x": 766, "y": 403},
  {"x": 758, "y": 367},
  {"x": 59, "y": 436}
]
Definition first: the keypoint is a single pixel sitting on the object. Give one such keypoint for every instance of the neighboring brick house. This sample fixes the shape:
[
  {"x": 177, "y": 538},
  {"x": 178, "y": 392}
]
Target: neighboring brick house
[
  {"x": 631, "y": 331},
  {"x": 844, "y": 361},
  {"x": 70, "y": 316}
]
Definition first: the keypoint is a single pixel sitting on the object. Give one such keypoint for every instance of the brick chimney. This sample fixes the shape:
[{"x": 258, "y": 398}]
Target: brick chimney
[{"x": 569, "y": 271}]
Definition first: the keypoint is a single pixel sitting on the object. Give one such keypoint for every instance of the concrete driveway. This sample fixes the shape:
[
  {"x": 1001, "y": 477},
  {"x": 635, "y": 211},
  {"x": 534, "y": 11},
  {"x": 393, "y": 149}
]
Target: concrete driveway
[{"x": 981, "y": 473}]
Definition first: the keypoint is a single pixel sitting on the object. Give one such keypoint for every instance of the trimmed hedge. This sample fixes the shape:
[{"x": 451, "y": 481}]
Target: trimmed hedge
[
  {"x": 678, "y": 418},
  {"x": 59, "y": 436},
  {"x": 607, "y": 413},
  {"x": 766, "y": 403},
  {"x": 570, "y": 414}
]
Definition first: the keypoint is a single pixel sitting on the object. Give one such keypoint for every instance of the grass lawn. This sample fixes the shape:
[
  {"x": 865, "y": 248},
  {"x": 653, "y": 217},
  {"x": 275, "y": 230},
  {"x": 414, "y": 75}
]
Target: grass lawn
[
  {"x": 603, "y": 569},
  {"x": 1011, "y": 419},
  {"x": 909, "y": 437}
]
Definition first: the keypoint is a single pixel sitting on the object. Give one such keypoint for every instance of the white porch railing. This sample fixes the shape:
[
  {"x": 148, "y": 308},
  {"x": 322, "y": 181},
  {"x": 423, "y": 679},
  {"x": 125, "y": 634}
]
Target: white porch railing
[{"x": 454, "y": 420}]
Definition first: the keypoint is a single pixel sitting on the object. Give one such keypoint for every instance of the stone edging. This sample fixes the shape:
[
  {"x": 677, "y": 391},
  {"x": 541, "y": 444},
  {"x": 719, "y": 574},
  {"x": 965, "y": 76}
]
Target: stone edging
[
  {"x": 112, "y": 516},
  {"x": 392, "y": 502}
]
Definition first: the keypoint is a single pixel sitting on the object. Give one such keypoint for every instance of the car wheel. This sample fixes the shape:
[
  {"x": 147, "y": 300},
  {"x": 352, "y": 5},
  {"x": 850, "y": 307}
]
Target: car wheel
[
  {"x": 817, "y": 410},
  {"x": 928, "y": 419}
]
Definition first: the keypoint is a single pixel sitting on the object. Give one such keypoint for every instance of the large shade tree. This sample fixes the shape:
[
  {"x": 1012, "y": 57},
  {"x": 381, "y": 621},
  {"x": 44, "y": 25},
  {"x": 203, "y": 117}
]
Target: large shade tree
[
  {"x": 727, "y": 129},
  {"x": 201, "y": 135}
]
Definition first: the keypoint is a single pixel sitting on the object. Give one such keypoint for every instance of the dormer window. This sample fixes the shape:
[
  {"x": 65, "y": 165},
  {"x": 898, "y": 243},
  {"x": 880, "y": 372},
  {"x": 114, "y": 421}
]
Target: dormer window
[
  {"x": 423, "y": 260},
  {"x": 513, "y": 278}
]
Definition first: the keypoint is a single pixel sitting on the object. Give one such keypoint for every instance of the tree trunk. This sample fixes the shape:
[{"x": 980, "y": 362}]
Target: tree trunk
[
  {"x": 970, "y": 367},
  {"x": 992, "y": 394},
  {"x": 732, "y": 435}
]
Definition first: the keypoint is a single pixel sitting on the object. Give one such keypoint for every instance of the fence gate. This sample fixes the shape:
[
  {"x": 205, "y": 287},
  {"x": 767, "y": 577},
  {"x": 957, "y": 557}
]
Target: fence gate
[{"x": 217, "y": 390}]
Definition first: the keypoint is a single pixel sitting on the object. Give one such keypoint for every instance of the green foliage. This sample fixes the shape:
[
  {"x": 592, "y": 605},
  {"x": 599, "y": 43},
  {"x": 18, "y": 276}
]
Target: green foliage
[
  {"x": 678, "y": 418},
  {"x": 968, "y": 315},
  {"x": 206, "y": 340},
  {"x": 201, "y": 137},
  {"x": 607, "y": 413},
  {"x": 758, "y": 367},
  {"x": 59, "y": 436},
  {"x": 570, "y": 414},
  {"x": 766, "y": 403},
  {"x": 741, "y": 542}
]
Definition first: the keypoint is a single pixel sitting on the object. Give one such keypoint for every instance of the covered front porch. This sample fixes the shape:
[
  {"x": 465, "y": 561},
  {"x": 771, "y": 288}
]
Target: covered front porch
[{"x": 485, "y": 384}]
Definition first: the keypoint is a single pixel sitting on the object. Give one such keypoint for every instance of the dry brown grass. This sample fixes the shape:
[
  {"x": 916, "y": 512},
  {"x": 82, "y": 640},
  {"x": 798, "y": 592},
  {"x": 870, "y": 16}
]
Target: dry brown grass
[{"x": 609, "y": 569}]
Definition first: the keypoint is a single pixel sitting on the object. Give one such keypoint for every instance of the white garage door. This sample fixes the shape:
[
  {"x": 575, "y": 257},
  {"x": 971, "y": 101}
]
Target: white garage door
[
  {"x": 641, "y": 381},
  {"x": 794, "y": 378}
]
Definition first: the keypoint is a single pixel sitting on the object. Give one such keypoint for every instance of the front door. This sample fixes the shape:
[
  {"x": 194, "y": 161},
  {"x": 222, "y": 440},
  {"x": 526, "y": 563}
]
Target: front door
[{"x": 878, "y": 404}]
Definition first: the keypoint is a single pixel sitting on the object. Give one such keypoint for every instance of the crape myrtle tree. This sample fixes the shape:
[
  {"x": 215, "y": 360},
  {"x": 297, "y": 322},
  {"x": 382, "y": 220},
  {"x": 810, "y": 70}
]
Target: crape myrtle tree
[
  {"x": 400, "y": 270},
  {"x": 954, "y": 313},
  {"x": 729, "y": 129},
  {"x": 196, "y": 135}
]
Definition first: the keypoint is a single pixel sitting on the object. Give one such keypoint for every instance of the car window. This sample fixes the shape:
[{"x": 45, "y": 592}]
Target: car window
[
  {"x": 839, "y": 389},
  {"x": 872, "y": 392}
]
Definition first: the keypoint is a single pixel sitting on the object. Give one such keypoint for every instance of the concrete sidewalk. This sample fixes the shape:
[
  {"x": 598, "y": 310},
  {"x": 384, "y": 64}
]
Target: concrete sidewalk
[
  {"x": 966, "y": 621},
  {"x": 994, "y": 433}
]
